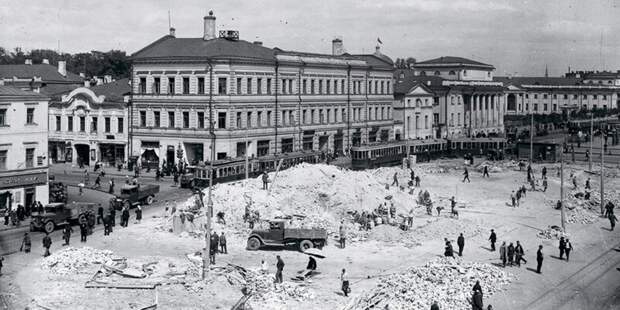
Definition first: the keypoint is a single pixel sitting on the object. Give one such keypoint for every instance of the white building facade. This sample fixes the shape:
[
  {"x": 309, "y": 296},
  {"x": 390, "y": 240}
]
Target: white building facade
[{"x": 23, "y": 148}]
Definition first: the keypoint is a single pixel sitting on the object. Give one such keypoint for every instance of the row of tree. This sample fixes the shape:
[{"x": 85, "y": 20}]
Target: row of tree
[{"x": 95, "y": 63}]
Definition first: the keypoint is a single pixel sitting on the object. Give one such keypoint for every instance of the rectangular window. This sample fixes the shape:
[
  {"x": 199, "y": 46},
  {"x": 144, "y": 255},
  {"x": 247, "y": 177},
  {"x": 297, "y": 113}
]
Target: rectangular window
[
  {"x": 268, "y": 118},
  {"x": 3, "y": 155},
  {"x": 201, "y": 85},
  {"x": 544, "y": 96},
  {"x": 545, "y": 107},
  {"x": 171, "y": 119},
  {"x": 458, "y": 119},
  {"x": 291, "y": 118},
  {"x": 221, "y": 120},
  {"x": 594, "y": 96},
  {"x": 342, "y": 86},
  {"x": 259, "y": 86},
  {"x": 305, "y": 86},
  {"x": 312, "y": 87},
  {"x": 259, "y": 119},
  {"x": 69, "y": 123},
  {"x": 142, "y": 85},
  {"x": 142, "y": 118},
  {"x": 555, "y": 107},
  {"x": 30, "y": 116},
  {"x": 535, "y": 106},
  {"x": 185, "y": 119},
  {"x": 238, "y": 86},
  {"x": 321, "y": 116},
  {"x": 574, "y": 96},
  {"x": 82, "y": 123},
  {"x": 320, "y": 86},
  {"x": 156, "y": 119},
  {"x": 290, "y": 86},
  {"x": 93, "y": 124},
  {"x": 269, "y": 86},
  {"x": 304, "y": 117},
  {"x": 388, "y": 87},
  {"x": 106, "y": 124},
  {"x": 185, "y": 85},
  {"x": 565, "y": 96},
  {"x": 156, "y": 85},
  {"x": 312, "y": 116},
  {"x": 29, "y": 157},
  {"x": 120, "y": 123},
  {"x": 262, "y": 147},
  {"x": 57, "y": 123},
  {"x": 248, "y": 86},
  {"x": 238, "y": 119},
  {"x": 201, "y": 119},
  {"x": 248, "y": 120},
  {"x": 3, "y": 119},
  {"x": 171, "y": 85},
  {"x": 221, "y": 86}
]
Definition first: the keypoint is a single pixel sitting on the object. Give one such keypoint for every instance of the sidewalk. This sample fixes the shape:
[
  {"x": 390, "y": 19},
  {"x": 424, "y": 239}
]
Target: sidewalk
[{"x": 68, "y": 168}]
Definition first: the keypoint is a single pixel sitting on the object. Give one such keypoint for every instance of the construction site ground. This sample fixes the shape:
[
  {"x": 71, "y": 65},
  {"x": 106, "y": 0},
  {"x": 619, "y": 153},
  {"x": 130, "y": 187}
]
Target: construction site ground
[{"x": 590, "y": 280}]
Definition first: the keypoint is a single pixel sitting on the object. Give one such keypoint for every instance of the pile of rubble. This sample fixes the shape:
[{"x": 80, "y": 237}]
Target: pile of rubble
[
  {"x": 552, "y": 232},
  {"x": 581, "y": 216},
  {"x": 448, "y": 281},
  {"x": 75, "y": 260}
]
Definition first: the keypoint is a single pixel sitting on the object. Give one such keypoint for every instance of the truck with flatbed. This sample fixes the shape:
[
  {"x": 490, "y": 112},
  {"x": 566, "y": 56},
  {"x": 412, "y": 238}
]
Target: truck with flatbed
[
  {"x": 60, "y": 214},
  {"x": 132, "y": 195},
  {"x": 278, "y": 235}
]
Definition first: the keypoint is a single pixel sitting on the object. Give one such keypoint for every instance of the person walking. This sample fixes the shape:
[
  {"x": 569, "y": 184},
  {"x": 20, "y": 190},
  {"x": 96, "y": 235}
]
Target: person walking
[
  {"x": 519, "y": 253},
  {"x": 485, "y": 172},
  {"x": 97, "y": 183},
  {"x": 493, "y": 238},
  {"x": 112, "y": 211},
  {"x": 612, "y": 220},
  {"x": 568, "y": 247},
  {"x": 125, "y": 217},
  {"x": 395, "y": 182},
  {"x": 106, "y": 225},
  {"x": 476, "y": 301},
  {"x": 138, "y": 214},
  {"x": 460, "y": 241},
  {"x": 212, "y": 248},
  {"x": 66, "y": 234},
  {"x": 562, "y": 247},
  {"x": 412, "y": 174},
  {"x": 545, "y": 184},
  {"x": 47, "y": 243},
  {"x": 83, "y": 232},
  {"x": 279, "y": 269},
  {"x": 344, "y": 279},
  {"x": 503, "y": 253},
  {"x": 417, "y": 181},
  {"x": 86, "y": 178},
  {"x": 343, "y": 235},
  {"x": 511, "y": 254},
  {"x": 544, "y": 172},
  {"x": 466, "y": 176},
  {"x": 223, "y": 248},
  {"x": 513, "y": 199},
  {"x": 588, "y": 183},
  {"x": 265, "y": 180},
  {"x": 539, "y": 258},
  {"x": 26, "y": 244},
  {"x": 99, "y": 214},
  {"x": 111, "y": 189}
]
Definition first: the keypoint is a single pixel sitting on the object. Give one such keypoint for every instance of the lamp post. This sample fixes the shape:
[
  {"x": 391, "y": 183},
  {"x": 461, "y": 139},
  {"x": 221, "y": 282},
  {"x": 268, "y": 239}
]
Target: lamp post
[
  {"x": 591, "y": 138},
  {"x": 209, "y": 211},
  {"x": 602, "y": 176},
  {"x": 531, "y": 136}
]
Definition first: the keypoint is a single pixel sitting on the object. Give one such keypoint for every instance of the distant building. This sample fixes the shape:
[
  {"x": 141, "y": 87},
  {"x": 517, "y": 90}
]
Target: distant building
[
  {"x": 413, "y": 111},
  {"x": 466, "y": 100},
  {"x": 23, "y": 147},
  {"x": 278, "y": 101},
  {"x": 42, "y": 78},
  {"x": 87, "y": 125}
]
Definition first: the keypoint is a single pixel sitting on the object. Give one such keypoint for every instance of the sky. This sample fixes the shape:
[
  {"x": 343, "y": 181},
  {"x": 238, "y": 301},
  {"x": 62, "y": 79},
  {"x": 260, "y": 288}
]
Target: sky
[{"x": 518, "y": 37}]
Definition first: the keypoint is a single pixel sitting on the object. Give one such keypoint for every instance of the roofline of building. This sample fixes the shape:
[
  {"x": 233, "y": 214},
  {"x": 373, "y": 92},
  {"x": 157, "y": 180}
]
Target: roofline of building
[{"x": 450, "y": 65}]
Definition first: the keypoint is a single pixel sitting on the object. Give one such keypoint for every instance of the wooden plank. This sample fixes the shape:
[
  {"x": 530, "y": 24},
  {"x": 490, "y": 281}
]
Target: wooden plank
[{"x": 124, "y": 286}]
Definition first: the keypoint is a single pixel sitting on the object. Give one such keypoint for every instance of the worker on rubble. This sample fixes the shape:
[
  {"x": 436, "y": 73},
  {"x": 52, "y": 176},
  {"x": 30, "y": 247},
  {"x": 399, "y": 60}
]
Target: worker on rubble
[
  {"x": 47, "y": 243},
  {"x": 609, "y": 209},
  {"x": 343, "y": 235},
  {"x": 417, "y": 181},
  {"x": 493, "y": 238},
  {"x": 612, "y": 220},
  {"x": 311, "y": 266},
  {"x": 544, "y": 172},
  {"x": 395, "y": 182},
  {"x": 513, "y": 199},
  {"x": 223, "y": 248},
  {"x": 220, "y": 217},
  {"x": 138, "y": 214},
  {"x": 476, "y": 301},
  {"x": 344, "y": 279},
  {"x": 460, "y": 241},
  {"x": 212, "y": 248},
  {"x": 545, "y": 184},
  {"x": 477, "y": 286},
  {"x": 529, "y": 172},
  {"x": 485, "y": 172},
  {"x": 562, "y": 247},
  {"x": 411, "y": 174},
  {"x": 466, "y": 176},
  {"x": 279, "y": 269},
  {"x": 588, "y": 183},
  {"x": 216, "y": 239},
  {"x": 265, "y": 180},
  {"x": 539, "y": 258}
]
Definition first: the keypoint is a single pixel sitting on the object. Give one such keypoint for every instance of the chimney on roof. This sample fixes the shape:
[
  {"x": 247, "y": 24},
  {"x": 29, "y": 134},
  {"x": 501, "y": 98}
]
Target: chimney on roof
[
  {"x": 28, "y": 61},
  {"x": 337, "y": 47},
  {"x": 107, "y": 79},
  {"x": 258, "y": 43},
  {"x": 62, "y": 67},
  {"x": 377, "y": 49},
  {"x": 172, "y": 32},
  {"x": 45, "y": 61},
  {"x": 209, "y": 27}
]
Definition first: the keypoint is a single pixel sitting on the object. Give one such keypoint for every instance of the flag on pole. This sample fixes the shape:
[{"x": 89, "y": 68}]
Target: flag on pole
[{"x": 379, "y": 40}]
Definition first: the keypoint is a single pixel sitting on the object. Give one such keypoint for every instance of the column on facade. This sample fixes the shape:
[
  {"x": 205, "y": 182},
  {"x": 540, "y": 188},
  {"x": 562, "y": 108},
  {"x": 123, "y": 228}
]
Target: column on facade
[
  {"x": 475, "y": 112},
  {"x": 493, "y": 108}
]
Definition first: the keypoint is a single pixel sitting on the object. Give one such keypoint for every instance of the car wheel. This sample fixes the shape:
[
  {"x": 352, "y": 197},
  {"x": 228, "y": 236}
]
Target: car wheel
[
  {"x": 304, "y": 245},
  {"x": 82, "y": 219},
  {"x": 149, "y": 200},
  {"x": 49, "y": 227},
  {"x": 253, "y": 244}
]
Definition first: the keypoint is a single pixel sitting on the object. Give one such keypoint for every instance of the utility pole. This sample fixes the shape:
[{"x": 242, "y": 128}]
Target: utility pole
[
  {"x": 209, "y": 211},
  {"x": 591, "y": 138},
  {"x": 602, "y": 176},
  {"x": 562, "y": 189},
  {"x": 531, "y": 137}
]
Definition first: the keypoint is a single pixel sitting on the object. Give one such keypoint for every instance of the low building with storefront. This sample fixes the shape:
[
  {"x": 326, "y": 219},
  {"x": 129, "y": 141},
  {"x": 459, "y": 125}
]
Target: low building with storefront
[
  {"x": 89, "y": 125},
  {"x": 23, "y": 147}
]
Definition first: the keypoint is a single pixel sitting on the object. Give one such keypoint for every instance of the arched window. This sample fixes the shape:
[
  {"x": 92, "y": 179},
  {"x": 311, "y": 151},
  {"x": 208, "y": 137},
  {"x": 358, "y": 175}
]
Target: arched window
[
  {"x": 437, "y": 73},
  {"x": 418, "y": 102},
  {"x": 422, "y": 73},
  {"x": 452, "y": 73},
  {"x": 452, "y": 100}
]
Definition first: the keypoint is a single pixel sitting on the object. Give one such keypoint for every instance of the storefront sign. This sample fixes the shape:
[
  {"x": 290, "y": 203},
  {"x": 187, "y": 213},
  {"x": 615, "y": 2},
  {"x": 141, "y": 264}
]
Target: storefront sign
[{"x": 29, "y": 179}]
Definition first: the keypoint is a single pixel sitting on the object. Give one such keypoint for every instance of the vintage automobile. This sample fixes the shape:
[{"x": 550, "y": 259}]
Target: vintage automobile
[
  {"x": 132, "y": 195},
  {"x": 278, "y": 235},
  {"x": 59, "y": 214}
]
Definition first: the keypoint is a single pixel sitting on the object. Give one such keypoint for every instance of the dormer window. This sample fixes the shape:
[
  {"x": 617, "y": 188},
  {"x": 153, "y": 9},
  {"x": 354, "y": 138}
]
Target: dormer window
[
  {"x": 437, "y": 73},
  {"x": 451, "y": 73}
]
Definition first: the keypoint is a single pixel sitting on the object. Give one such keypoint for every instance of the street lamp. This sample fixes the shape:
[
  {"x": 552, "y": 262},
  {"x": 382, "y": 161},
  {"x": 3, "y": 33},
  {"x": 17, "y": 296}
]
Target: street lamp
[{"x": 591, "y": 138}]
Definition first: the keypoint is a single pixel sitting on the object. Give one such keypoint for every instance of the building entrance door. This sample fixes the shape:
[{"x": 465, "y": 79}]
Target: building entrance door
[
  {"x": 30, "y": 194},
  {"x": 83, "y": 154}
]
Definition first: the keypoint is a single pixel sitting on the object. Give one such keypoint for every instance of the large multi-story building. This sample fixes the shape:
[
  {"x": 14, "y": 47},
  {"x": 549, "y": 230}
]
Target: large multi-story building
[
  {"x": 23, "y": 147},
  {"x": 90, "y": 124},
  {"x": 466, "y": 100},
  {"x": 275, "y": 100}
]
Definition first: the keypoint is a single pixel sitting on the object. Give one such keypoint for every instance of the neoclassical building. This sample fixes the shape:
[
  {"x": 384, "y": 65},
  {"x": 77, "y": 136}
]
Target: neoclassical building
[
  {"x": 90, "y": 124},
  {"x": 275, "y": 100}
]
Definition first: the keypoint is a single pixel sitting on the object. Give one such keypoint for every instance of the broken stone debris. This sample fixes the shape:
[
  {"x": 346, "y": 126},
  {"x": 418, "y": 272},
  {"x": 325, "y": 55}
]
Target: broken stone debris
[{"x": 75, "y": 260}]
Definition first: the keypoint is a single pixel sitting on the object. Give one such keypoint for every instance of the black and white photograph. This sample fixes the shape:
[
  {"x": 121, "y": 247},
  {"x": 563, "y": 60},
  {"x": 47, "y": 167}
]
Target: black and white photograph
[{"x": 315, "y": 155}]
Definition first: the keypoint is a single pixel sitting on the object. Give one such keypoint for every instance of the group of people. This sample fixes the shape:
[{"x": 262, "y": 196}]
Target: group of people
[
  {"x": 217, "y": 244},
  {"x": 449, "y": 250},
  {"x": 16, "y": 216},
  {"x": 514, "y": 254}
]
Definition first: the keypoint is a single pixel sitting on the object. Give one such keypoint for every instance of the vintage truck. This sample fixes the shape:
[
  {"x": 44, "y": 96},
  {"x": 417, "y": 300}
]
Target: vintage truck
[
  {"x": 59, "y": 214},
  {"x": 279, "y": 235},
  {"x": 132, "y": 195}
]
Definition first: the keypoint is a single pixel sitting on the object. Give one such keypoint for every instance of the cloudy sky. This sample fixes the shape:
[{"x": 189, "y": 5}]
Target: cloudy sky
[{"x": 516, "y": 36}]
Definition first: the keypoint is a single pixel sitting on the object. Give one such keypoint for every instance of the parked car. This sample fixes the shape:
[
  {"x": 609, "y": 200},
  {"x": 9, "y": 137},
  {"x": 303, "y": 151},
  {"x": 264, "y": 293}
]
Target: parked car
[
  {"x": 59, "y": 214},
  {"x": 132, "y": 195},
  {"x": 278, "y": 235}
]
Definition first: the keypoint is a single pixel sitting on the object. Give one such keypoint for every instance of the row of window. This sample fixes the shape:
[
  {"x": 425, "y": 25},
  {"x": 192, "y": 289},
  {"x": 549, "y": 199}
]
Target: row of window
[
  {"x": 417, "y": 122},
  {"x": 252, "y": 119},
  {"x": 554, "y": 107},
  {"x": 94, "y": 124},
  {"x": 29, "y": 159},
  {"x": 566, "y": 96},
  {"x": 4, "y": 120},
  {"x": 259, "y": 86}
]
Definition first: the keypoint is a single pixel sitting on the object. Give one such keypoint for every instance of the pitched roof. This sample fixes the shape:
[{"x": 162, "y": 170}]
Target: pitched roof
[
  {"x": 552, "y": 81},
  {"x": 47, "y": 72},
  {"x": 378, "y": 60},
  {"x": 12, "y": 92},
  {"x": 169, "y": 47},
  {"x": 452, "y": 60},
  {"x": 409, "y": 80},
  {"x": 114, "y": 91}
]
